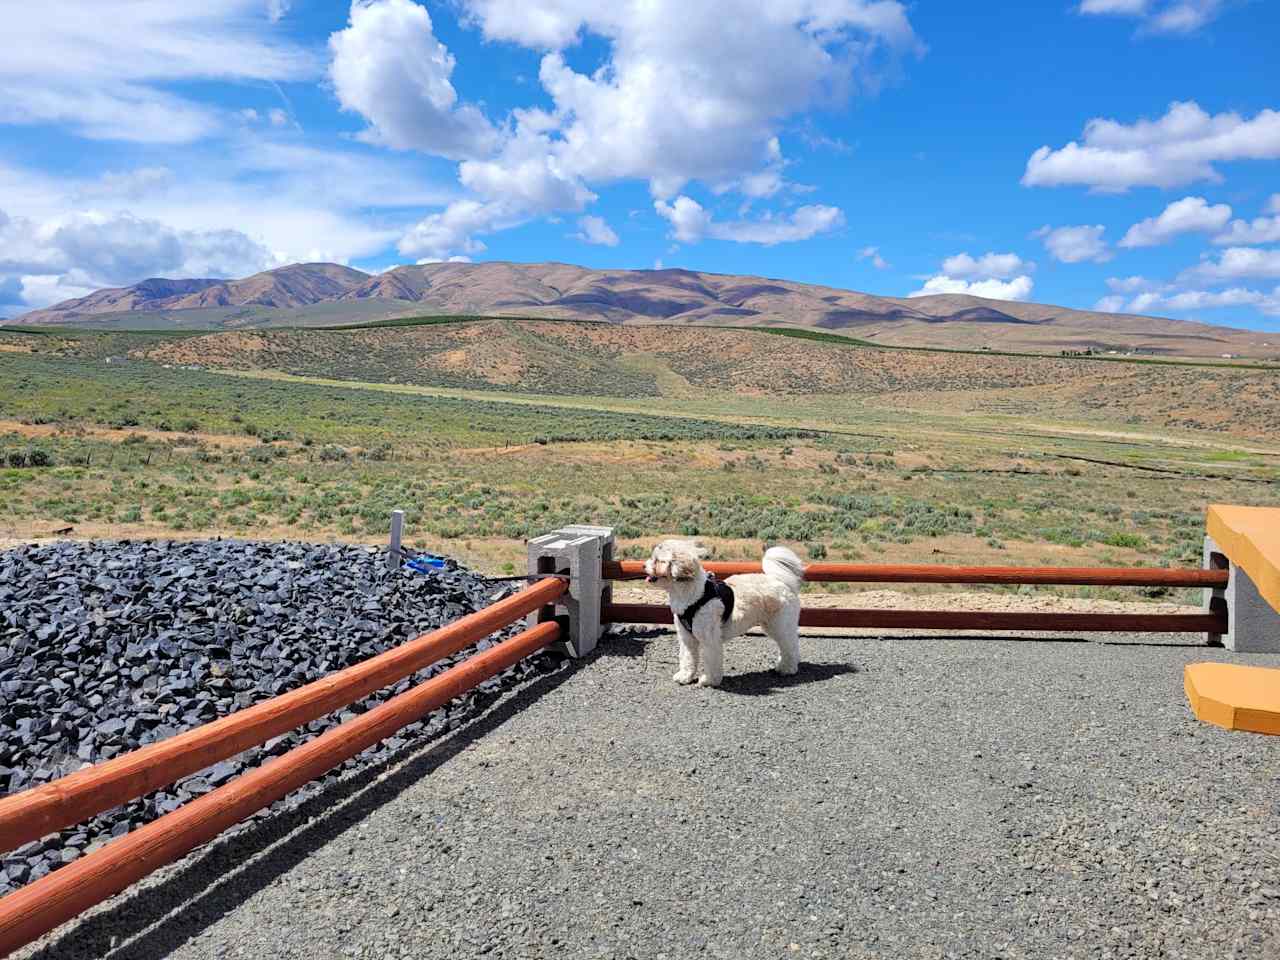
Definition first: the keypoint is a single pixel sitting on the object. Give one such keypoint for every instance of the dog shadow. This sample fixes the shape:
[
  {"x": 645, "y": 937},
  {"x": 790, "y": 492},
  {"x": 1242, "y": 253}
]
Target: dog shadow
[{"x": 764, "y": 683}]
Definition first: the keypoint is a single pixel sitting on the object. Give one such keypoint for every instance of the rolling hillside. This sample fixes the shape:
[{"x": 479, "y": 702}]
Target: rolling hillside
[
  {"x": 695, "y": 365},
  {"x": 328, "y": 294}
]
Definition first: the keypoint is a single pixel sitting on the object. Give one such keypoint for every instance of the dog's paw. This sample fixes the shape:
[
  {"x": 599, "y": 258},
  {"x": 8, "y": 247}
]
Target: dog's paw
[
  {"x": 683, "y": 676},
  {"x": 787, "y": 669},
  {"x": 706, "y": 680}
]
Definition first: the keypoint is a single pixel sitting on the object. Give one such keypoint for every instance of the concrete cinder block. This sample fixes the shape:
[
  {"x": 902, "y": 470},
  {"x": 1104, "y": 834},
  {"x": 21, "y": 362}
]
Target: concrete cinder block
[
  {"x": 578, "y": 551},
  {"x": 1253, "y": 625}
]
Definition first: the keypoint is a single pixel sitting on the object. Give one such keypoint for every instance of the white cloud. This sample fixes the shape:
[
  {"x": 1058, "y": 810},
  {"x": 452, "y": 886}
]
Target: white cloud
[
  {"x": 596, "y": 230},
  {"x": 278, "y": 9},
  {"x": 1259, "y": 230},
  {"x": 992, "y": 265},
  {"x": 1113, "y": 303},
  {"x": 1134, "y": 284},
  {"x": 661, "y": 107},
  {"x": 1075, "y": 244},
  {"x": 1237, "y": 263},
  {"x": 389, "y": 67},
  {"x": 664, "y": 108},
  {"x": 298, "y": 203},
  {"x": 1184, "y": 301},
  {"x": 1180, "y": 147},
  {"x": 1234, "y": 297},
  {"x": 110, "y": 77},
  {"x": 1019, "y": 288},
  {"x": 95, "y": 250},
  {"x": 691, "y": 223},
  {"x": 426, "y": 260},
  {"x": 437, "y": 235},
  {"x": 1120, "y": 8},
  {"x": 1188, "y": 215},
  {"x": 873, "y": 254},
  {"x": 1177, "y": 16}
]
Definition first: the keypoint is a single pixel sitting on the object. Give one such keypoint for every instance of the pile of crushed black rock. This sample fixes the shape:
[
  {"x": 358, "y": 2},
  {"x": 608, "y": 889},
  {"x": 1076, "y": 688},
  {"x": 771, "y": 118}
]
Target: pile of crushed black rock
[{"x": 107, "y": 646}]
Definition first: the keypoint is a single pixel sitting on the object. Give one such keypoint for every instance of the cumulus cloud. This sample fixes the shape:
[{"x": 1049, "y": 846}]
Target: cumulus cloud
[
  {"x": 1132, "y": 284},
  {"x": 1176, "y": 16},
  {"x": 691, "y": 223},
  {"x": 686, "y": 116},
  {"x": 996, "y": 276},
  {"x": 1237, "y": 263},
  {"x": 596, "y": 230},
  {"x": 1112, "y": 303},
  {"x": 1077, "y": 244},
  {"x": 661, "y": 107},
  {"x": 277, "y": 10},
  {"x": 437, "y": 235},
  {"x": 1121, "y": 8},
  {"x": 389, "y": 67},
  {"x": 1259, "y": 230},
  {"x": 991, "y": 265},
  {"x": 123, "y": 249},
  {"x": 1184, "y": 301},
  {"x": 1019, "y": 288},
  {"x": 1181, "y": 147},
  {"x": 873, "y": 254},
  {"x": 112, "y": 77},
  {"x": 1188, "y": 215}
]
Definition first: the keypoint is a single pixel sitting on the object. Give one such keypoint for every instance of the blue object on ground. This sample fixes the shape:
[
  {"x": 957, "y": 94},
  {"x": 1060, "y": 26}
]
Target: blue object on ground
[{"x": 425, "y": 563}]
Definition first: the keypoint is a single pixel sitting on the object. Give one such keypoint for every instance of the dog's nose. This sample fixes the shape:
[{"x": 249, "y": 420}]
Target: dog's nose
[{"x": 650, "y": 578}]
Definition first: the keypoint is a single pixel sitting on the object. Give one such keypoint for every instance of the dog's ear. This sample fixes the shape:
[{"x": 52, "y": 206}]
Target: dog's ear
[{"x": 683, "y": 567}]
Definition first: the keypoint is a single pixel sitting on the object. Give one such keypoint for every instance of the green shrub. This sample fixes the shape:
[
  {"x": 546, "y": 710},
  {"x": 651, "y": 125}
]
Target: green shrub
[{"x": 39, "y": 458}]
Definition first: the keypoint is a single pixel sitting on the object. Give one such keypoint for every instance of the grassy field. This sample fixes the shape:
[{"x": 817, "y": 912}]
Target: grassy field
[{"x": 964, "y": 469}]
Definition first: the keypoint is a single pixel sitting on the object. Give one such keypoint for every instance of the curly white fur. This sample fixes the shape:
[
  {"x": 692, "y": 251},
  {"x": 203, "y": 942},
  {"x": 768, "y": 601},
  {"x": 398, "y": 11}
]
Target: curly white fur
[{"x": 770, "y": 600}]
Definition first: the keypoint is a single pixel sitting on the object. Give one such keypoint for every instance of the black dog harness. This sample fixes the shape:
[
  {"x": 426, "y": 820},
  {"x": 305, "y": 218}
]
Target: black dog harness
[{"x": 713, "y": 590}]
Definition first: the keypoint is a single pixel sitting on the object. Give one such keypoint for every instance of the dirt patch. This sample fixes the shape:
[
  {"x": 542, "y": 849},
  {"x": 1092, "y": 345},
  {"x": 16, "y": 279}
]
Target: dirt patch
[{"x": 35, "y": 430}]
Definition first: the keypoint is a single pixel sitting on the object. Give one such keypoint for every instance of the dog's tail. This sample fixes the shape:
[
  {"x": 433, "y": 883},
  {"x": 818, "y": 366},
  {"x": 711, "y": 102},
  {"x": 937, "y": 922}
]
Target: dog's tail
[{"x": 781, "y": 564}]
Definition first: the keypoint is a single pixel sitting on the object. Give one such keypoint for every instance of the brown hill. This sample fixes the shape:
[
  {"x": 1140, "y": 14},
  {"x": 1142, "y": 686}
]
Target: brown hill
[
  {"x": 297, "y": 285},
  {"x": 556, "y": 290}
]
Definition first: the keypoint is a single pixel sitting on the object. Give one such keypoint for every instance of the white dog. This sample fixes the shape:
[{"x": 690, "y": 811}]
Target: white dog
[{"x": 708, "y": 611}]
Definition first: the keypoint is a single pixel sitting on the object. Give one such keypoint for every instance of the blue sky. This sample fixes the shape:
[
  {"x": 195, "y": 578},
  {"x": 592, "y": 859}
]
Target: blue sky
[{"x": 1118, "y": 154}]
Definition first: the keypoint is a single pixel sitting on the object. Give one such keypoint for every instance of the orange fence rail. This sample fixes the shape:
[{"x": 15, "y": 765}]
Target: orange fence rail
[
  {"x": 945, "y": 573},
  {"x": 59, "y": 896},
  {"x": 1212, "y": 622},
  {"x": 77, "y": 797}
]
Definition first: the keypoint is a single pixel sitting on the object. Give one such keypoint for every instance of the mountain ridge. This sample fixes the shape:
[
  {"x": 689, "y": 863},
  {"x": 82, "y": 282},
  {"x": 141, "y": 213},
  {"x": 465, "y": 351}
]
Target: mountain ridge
[{"x": 671, "y": 295}]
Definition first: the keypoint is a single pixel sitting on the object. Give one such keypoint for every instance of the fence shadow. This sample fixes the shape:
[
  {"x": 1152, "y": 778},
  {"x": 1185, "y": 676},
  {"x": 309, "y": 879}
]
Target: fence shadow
[{"x": 150, "y": 922}]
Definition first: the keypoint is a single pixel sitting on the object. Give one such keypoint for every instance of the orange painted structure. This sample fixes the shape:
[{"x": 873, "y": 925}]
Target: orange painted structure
[
  {"x": 945, "y": 573},
  {"x": 963, "y": 620},
  {"x": 1234, "y": 696}
]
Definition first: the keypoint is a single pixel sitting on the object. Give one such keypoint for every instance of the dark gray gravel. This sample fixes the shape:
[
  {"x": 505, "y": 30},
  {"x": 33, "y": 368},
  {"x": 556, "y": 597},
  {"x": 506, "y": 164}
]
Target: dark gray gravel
[
  {"x": 108, "y": 646},
  {"x": 899, "y": 798}
]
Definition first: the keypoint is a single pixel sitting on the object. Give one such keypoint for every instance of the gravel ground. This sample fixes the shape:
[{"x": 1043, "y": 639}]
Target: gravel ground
[{"x": 899, "y": 798}]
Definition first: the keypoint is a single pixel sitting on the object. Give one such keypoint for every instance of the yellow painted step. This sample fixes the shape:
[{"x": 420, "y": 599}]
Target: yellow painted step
[
  {"x": 1250, "y": 536},
  {"x": 1235, "y": 696}
]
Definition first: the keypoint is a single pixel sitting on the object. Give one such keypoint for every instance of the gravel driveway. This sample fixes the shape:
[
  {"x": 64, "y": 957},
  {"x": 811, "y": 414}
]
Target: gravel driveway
[{"x": 900, "y": 798}]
